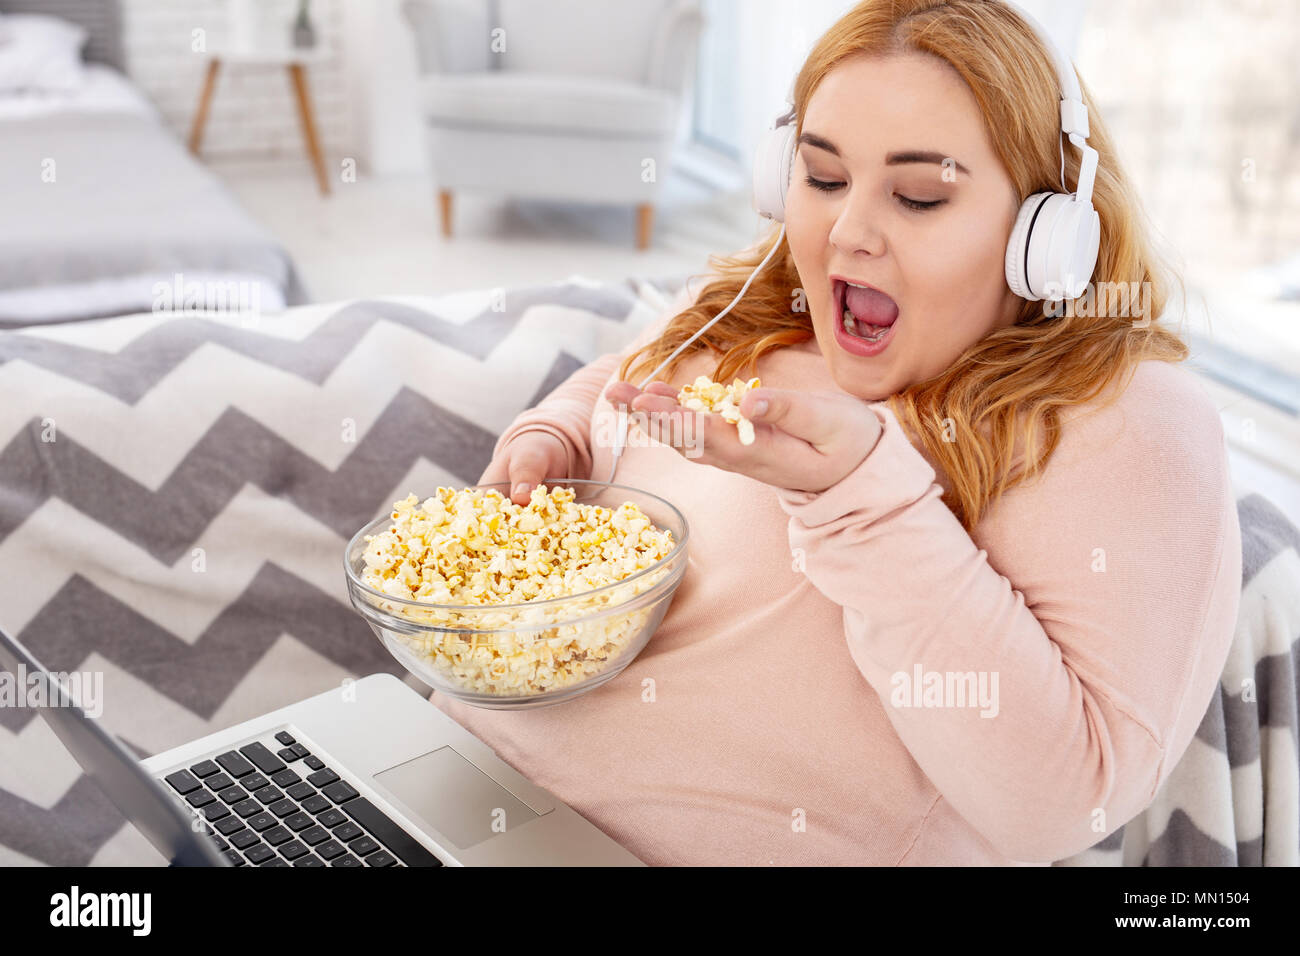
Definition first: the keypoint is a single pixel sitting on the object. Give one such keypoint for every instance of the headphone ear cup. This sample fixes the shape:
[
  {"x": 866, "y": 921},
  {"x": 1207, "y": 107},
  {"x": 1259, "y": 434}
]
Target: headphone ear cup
[
  {"x": 773, "y": 164},
  {"x": 1052, "y": 251},
  {"x": 1076, "y": 236},
  {"x": 1016, "y": 265}
]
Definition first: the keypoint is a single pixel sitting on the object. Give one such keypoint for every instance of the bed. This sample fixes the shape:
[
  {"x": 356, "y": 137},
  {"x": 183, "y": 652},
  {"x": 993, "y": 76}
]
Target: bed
[
  {"x": 176, "y": 491},
  {"x": 105, "y": 213}
]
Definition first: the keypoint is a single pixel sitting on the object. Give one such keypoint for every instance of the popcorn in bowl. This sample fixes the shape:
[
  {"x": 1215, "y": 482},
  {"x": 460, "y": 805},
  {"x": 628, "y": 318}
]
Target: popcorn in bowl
[
  {"x": 706, "y": 395},
  {"x": 499, "y": 599}
]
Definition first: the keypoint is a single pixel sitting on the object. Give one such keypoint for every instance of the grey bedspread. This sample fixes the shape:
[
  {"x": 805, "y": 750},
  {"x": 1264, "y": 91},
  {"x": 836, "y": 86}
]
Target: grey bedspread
[{"x": 89, "y": 196}]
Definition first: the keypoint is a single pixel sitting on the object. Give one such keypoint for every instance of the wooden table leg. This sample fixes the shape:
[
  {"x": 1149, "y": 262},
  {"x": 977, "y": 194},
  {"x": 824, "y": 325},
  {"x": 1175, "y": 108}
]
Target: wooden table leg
[
  {"x": 645, "y": 216},
  {"x": 444, "y": 208},
  {"x": 299, "y": 77},
  {"x": 205, "y": 100}
]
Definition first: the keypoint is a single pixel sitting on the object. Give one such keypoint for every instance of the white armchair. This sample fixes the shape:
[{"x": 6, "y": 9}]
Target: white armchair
[{"x": 578, "y": 100}]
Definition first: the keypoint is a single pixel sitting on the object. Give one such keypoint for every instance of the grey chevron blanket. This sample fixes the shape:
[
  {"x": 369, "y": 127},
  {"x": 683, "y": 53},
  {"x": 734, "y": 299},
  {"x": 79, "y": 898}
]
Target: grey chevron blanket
[{"x": 176, "y": 492}]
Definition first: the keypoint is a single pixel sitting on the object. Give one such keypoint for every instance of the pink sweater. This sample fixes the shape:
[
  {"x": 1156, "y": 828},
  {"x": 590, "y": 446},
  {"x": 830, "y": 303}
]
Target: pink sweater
[{"x": 766, "y": 722}]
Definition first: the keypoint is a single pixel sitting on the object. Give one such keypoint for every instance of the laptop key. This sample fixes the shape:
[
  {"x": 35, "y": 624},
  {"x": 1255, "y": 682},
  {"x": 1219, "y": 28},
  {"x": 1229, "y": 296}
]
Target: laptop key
[
  {"x": 218, "y": 781},
  {"x": 233, "y": 764},
  {"x": 331, "y": 818},
  {"x": 266, "y": 761},
  {"x": 340, "y": 792},
  {"x": 310, "y": 859},
  {"x": 273, "y": 861},
  {"x": 315, "y": 804},
  {"x": 347, "y": 859},
  {"x": 382, "y": 858},
  {"x": 246, "y": 808},
  {"x": 261, "y": 821},
  {"x": 233, "y": 794},
  {"x": 293, "y": 849},
  {"x": 403, "y": 845},
  {"x": 314, "y": 762},
  {"x": 269, "y": 794},
  {"x": 298, "y": 821},
  {"x": 345, "y": 831},
  {"x": 322, "y": 777},
  {"x": 200, "y": 798},
  {"x": 287, "y": 755},
  {"x": 259, "y": 852},
  {"x": 286, "y": 778},
  {"x": 254, "y": 781},
  {"x": 313, "y": 835},
  {"x": 330, "y": 849},
  {"x": 300, "y": 750},
  {"x": 244, "y": 838},
  {"x": 277, "y": 835},
  {"x": 183, "y": 782},
  {"x": 222, "y": 845},
  {"x": 301, "y": 791},
  {"x": 215, "y": 811},
  {"x": 230, "y": 825},
  {"x": 283, "y": 808},
  {"x": 234, "y": 857},
  {"x": 361, "y": 846},
  {"x": 205, "y": 768},
  {"x": 285, "y": 738}
]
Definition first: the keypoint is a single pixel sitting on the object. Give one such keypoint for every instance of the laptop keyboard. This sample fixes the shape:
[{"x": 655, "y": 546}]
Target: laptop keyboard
[{"x": 288, "y": 808}]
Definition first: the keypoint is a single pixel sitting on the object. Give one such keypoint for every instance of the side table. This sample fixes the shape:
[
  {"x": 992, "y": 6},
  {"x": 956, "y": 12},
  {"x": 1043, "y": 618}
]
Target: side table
[{"x": 295, "y": 61}]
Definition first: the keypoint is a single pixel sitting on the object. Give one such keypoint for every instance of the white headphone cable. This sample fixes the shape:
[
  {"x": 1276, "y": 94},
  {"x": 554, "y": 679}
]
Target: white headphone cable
[{"x": 621, "y": 435}]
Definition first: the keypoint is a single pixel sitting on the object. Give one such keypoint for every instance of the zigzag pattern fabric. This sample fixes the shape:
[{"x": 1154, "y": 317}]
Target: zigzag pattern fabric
[{"x": 176, "y": 491}]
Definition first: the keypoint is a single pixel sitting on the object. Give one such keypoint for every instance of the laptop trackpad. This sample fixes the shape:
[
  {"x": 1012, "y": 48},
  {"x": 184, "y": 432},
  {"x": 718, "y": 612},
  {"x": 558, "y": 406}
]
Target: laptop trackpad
[{"x": 449, "y": 794}]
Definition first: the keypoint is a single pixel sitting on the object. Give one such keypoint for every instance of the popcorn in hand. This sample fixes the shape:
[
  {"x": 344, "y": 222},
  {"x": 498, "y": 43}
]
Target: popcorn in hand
[{"x": 706, "y": 395}]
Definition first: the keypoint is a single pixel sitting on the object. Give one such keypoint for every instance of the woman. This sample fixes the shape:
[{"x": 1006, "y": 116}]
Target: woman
[{"x": 1028, "y": 506}]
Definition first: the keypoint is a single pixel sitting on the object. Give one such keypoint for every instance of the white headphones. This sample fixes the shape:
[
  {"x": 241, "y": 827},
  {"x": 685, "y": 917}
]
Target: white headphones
[{"x": 1053, "y": 246}]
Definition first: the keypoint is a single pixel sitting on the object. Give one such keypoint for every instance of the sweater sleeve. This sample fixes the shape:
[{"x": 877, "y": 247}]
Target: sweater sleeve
[
  {"x": 566, "y": 412},
  {"x": 1087, "y": 656}
]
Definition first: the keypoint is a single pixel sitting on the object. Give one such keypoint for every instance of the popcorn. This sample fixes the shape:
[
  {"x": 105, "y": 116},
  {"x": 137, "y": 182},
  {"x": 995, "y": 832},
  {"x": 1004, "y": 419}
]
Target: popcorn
[
  {"x": 706, "y": 395},
  {"x": 477, "y": 548}
]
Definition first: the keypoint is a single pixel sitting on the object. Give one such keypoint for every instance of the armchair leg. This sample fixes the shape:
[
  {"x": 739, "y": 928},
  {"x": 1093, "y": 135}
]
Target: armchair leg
[
  {"x": 645, "y": 215},
  {"x": 444, "y": 211}
]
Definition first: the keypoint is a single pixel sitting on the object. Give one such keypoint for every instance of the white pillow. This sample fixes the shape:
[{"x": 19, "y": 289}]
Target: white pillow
[{"x": 40, "y": 53}]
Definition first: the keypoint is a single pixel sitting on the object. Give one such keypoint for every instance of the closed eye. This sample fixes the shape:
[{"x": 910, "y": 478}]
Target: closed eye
[{"x": 828, "y": 186}]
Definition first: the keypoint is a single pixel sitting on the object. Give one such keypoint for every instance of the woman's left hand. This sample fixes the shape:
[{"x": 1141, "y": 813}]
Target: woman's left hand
[{"x": 803, "y": 441}]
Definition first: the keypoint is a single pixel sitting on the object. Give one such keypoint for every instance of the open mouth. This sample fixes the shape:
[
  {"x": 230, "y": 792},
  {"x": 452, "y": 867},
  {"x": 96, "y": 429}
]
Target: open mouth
[{"x": 863, "y": 312}]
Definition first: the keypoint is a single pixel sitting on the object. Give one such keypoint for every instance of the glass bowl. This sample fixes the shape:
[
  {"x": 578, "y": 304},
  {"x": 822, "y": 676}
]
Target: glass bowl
[{"x": 514, "y": 656}]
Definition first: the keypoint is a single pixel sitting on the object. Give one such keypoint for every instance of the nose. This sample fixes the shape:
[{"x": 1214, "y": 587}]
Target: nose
[{"x": 856, "y": 230}]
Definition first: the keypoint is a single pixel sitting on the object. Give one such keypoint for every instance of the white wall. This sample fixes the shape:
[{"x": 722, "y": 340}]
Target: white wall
[{"x": 381, "y": 83}]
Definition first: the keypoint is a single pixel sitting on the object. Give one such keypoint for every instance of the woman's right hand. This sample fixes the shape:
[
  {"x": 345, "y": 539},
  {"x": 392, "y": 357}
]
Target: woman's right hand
[{"x": 529, "y": 459}]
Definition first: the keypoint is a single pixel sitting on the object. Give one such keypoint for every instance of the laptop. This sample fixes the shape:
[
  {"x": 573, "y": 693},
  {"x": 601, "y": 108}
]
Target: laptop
[{"x": 368, "y": 774}]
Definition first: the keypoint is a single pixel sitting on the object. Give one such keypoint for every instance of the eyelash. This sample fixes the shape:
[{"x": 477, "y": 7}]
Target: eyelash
[{"x": 828, "y": 187}]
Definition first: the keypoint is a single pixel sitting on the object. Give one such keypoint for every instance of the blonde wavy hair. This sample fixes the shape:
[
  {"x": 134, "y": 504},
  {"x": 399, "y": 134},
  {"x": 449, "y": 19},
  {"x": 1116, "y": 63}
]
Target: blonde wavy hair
[{"x": 1007, "y": 391}]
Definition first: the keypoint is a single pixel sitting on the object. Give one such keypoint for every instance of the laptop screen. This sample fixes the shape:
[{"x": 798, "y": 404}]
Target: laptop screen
[{"x": 140, "y": 798}]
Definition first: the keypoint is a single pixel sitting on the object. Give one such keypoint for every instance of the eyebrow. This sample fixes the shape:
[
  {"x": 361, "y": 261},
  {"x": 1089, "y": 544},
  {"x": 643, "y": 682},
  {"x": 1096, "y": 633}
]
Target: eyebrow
[{"x": 893, "y": 159}]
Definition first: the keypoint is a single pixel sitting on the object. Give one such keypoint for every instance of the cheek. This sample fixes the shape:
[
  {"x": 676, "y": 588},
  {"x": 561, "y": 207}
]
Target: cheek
[
  {"x": 964, "y": 278},
  {"x": 808, "y": 238}
]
